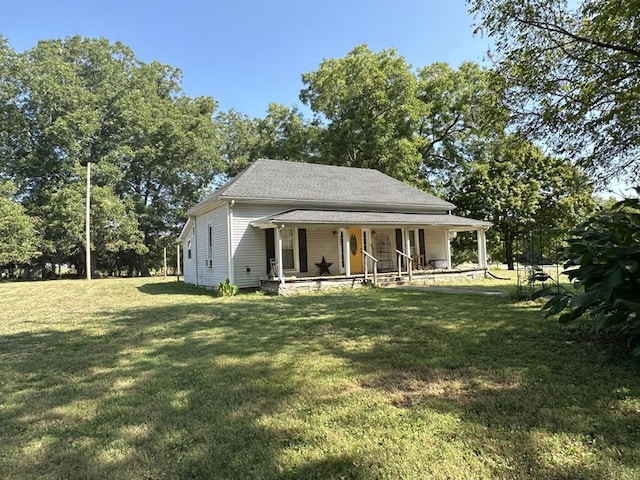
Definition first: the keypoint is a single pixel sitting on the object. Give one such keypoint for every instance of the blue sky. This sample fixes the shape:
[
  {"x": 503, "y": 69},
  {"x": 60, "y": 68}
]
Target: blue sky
[{"x": 246, "y": 53}]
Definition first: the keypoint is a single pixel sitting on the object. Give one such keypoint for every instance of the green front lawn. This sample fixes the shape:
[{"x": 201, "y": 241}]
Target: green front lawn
[{"x": 143, "y": 379}]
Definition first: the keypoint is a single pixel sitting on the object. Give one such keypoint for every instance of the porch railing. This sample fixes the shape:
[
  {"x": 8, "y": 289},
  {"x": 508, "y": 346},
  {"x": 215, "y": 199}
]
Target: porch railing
[
  {"x": 365, "y": 256},
  {"x": 409, "y": 264}
]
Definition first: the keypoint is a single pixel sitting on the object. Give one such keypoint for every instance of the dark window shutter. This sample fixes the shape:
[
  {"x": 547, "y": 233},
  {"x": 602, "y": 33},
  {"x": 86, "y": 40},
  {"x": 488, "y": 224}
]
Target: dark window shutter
[
  {"x": 421, "y": 242},
  {"x": 271, "y": 247},
  {"x": 302, "y": 249},
  {"x": 399, "y": 240},
  {"x": 399, "y": 243}
]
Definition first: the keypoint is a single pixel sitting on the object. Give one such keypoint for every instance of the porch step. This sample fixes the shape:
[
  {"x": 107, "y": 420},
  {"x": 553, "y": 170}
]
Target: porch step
[
  {"x": 392, "y": 281},
  {"x": 398, "y": 283}
]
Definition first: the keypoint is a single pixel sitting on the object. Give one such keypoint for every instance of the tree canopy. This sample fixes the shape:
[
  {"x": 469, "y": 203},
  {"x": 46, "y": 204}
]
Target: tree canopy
[
  {"x": 68, "y": 102},
  {"x": 572, "y": 75},
  {"x": 461, "y": 113},
  {"x": 367, "y": 102},
  {"x": 155, "y": 151},
  {"x": 17, "y": 229},
  {"x": 283, "y": 134},
  {"x": 521, "y": 191}
]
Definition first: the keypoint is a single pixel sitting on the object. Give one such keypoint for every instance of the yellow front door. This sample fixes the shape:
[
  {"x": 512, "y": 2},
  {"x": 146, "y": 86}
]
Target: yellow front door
[{"x": 355, "y": 250}]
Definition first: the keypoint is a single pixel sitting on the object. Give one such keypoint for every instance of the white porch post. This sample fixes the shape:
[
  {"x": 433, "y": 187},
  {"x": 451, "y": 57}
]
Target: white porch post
[
  {"x": 482, "y": 256},
  {"x": 482, "y": 248},
  {"x": 279, "y": 255},
  {"x": 347, "y": 252},
  {"x": 447, "y": 243},
  {"x": 407, "y": 248}
]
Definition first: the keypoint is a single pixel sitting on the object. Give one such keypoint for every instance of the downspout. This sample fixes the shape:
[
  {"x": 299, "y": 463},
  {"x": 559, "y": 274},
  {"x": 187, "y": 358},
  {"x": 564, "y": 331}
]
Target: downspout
[
  {"x": 230, "y": 266},
  {"x": 195, "y": 241}
]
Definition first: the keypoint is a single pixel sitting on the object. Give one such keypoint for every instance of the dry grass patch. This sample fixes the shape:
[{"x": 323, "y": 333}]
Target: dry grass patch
[{"x": 415, "y": 387}]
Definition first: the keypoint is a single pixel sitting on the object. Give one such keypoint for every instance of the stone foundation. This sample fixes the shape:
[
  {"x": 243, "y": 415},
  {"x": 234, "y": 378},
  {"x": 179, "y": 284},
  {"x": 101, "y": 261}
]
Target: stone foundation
[{"x": 323, "y": 283}]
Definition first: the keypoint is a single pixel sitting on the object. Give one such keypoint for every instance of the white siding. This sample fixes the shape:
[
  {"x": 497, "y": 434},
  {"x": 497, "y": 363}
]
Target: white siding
[
  {"x": 434, "y": 240},
  {"x": 322, "y": 243},
  {"x": 189, "y": 264},
  {"x": 249, "y": 243},
  {"x": 203, "y": 275}
]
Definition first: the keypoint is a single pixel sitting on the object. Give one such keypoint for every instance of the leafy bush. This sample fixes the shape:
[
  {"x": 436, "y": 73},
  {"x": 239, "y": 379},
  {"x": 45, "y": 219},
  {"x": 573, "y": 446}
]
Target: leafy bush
[
  {"x": 602, "y": 259},
  {"x": 227, "y": 289}
]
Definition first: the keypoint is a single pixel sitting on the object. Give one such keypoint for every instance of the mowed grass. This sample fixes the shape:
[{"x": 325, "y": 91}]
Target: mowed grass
[
  {"x": 503, "y": 281},
  {"x": 144, "y": 379}
]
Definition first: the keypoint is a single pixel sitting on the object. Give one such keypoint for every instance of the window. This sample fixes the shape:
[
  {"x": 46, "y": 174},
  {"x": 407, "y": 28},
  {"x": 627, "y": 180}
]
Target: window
[
  {"x": 288, "y": 249},
  {"x": 210, "y": 246},
  {"x": 189, "y": 249},
  {"x": 412, "y": 242}
]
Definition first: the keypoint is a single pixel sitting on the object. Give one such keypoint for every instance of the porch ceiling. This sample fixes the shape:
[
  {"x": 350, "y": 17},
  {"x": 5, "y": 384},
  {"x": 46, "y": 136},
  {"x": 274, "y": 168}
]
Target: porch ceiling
[{"x": 369, "y": 219}]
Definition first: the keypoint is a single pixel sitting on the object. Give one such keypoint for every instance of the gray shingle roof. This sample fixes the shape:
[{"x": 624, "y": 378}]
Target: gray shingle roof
[
  {"x": 324, "y": 184},
  {"x": 333, "y": 217}
]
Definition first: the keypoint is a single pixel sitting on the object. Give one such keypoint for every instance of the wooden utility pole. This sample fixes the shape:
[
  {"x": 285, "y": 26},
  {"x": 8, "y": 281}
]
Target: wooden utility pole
[{"x": 87, "y": 225}]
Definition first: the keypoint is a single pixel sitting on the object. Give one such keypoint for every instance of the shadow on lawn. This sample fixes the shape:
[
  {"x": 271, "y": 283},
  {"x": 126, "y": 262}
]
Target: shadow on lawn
[
  {"x": 168, "y": 392},
  {"x": 174, "y": 288},
  {"x": 515, "y": 383},
  {"x": 186, "y": 391}
]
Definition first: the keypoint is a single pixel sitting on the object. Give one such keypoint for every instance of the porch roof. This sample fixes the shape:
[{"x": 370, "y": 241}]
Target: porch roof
[{"x": 354, "y": 218}]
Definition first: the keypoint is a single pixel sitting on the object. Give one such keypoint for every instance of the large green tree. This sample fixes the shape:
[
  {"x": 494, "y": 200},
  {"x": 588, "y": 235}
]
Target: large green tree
[
  {"x": 573, "y": 74},
  {"x": 168, "y": 152},
  {"x": 115, "y": 230},
  {"x": 283, "y": 134},
  {"x": 461, "y": 113},
  {"x": 524, "y": 192},
  {"x": 603, "y": 256},
  {"x": 18, "y": 237},
  {"x": 286, "y": 135},
  {"x": 367, "y": 104},
  {"x": 69, "y": 102}
]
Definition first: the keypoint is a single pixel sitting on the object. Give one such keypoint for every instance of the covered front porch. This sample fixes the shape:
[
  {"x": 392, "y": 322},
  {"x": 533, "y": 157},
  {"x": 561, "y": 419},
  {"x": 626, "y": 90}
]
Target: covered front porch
[
  {"x": 339, "y": 247},
  {"x": 322, "y": 282}
]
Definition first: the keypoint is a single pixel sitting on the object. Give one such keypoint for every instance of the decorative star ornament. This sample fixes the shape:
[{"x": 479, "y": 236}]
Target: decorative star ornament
[{"x": 324, "y": 266}]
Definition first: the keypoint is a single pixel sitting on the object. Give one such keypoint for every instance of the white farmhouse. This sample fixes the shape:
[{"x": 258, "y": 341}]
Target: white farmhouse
[{"x": 283, "y": 222}]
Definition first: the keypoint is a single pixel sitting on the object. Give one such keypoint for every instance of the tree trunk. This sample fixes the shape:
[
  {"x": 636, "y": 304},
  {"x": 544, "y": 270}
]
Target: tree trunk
[
  {"x": 508, "y": 249},
  {"x": 143, "y": 260},
  {"x": 144, "y": 265}
]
